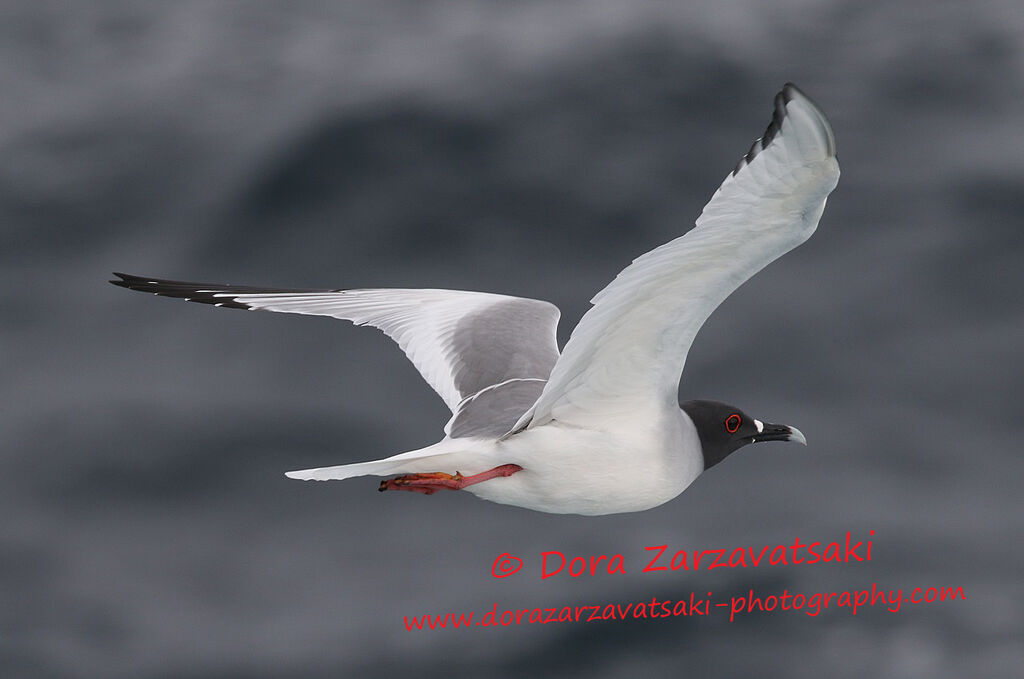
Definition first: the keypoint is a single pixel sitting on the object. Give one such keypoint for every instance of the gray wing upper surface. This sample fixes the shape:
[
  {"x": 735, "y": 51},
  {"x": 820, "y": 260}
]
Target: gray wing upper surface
[
  {"x": 492, "y": 411},
  {"x": 461, "y": 342}
]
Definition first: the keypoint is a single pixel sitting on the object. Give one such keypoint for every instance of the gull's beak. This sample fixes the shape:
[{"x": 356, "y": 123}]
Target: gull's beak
[{"x": 779, "y": 432}]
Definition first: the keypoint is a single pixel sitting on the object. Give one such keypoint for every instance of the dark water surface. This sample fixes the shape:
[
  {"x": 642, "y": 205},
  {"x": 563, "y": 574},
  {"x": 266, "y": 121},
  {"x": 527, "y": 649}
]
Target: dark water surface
[{"x": 529, "y": 148}]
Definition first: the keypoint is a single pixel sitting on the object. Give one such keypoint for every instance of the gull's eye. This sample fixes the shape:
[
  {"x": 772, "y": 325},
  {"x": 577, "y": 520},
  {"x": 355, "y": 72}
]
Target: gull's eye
[{"x": 732, "y": 423}]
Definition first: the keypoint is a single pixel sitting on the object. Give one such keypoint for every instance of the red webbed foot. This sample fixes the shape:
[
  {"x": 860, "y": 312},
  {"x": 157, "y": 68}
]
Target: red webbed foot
[{"x": 430, "y": 483}]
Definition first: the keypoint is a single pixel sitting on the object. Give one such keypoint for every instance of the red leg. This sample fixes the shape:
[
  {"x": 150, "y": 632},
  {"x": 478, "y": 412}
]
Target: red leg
[{"x": 430, "y": 483}]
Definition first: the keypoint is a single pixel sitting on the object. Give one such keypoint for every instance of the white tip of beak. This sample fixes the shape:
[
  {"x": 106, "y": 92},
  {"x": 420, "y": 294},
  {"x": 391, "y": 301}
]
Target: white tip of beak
[{"x": 797, "y": 435}]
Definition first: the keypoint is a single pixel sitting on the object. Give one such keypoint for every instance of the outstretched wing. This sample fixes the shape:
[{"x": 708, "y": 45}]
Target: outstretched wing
[
  {"x": 461, "y": 342},
  {"x": 628, "y": 351}
]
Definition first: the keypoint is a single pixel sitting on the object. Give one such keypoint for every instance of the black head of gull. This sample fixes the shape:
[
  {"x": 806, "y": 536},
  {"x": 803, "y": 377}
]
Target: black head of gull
[{"x": 724, "y": 429}]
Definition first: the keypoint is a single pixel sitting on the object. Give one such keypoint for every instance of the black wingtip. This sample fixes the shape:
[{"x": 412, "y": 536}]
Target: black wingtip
[
  {"x": 132, "y": 282},
  {"x": 203, "y": 293},
  {"x": 783, "y": 97},
  {"x": 194, "y": 292},
  {"x": 788, "y": 93},
  {"x": 123, "y": 282}
]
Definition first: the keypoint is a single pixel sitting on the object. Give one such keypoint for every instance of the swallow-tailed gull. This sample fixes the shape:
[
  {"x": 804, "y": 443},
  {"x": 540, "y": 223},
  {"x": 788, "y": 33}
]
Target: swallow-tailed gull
[{"x": 597, "y": 429}]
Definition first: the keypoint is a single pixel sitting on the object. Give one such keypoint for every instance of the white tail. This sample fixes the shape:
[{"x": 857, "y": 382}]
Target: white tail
[{"x": 436, "y": 458}]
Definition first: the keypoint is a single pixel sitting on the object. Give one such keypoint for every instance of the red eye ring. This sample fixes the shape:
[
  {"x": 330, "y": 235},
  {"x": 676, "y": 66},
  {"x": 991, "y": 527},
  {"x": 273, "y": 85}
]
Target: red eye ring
[{"x": 732, "y": 423}]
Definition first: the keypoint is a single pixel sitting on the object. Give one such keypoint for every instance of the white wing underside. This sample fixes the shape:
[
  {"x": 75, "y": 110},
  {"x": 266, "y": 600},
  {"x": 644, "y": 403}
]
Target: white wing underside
[{"x": 628, "y": 351}]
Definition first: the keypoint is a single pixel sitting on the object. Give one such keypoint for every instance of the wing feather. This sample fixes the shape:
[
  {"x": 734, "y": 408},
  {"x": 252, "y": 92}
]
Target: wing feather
[
  {"x": 628, "y": 351},
  {"x": 461, "y": 342}
]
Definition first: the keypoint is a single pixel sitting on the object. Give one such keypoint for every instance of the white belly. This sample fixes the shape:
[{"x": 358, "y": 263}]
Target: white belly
[{"x": 568, "y": 470}]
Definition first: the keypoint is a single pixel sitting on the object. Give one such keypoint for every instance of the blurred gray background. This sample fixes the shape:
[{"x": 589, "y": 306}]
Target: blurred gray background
[{"x": 534, "y": 148}]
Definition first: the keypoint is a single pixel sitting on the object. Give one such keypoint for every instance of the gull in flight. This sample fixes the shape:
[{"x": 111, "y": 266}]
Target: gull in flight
[{"x": 597, "y": 428}]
